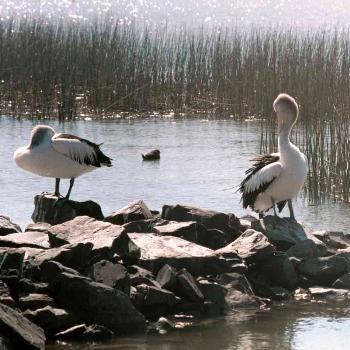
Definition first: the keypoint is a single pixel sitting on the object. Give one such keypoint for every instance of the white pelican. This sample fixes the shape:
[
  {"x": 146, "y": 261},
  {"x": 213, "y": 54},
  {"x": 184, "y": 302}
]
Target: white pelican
[
  {"x": 277, "y": 177},
  {"x": 61, "y": 156}
]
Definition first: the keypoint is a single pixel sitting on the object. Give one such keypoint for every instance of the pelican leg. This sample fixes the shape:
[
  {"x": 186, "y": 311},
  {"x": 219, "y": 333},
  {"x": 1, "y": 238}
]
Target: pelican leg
[
  {"x": 274, "y": 212},
  {"x": 71, "y": 183},
  {"x": 291, "y": 211},
  {"x": 57, "y": 188}
]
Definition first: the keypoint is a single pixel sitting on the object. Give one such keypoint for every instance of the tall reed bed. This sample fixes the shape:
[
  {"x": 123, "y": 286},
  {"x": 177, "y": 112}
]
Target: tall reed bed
[{"x": 100, "y": 69}]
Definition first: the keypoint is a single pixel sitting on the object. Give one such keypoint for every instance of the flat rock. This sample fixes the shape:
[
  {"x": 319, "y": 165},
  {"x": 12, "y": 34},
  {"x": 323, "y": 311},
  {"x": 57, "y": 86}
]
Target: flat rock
[
  {"x": 23, "y": 333},
  {"x": 38, "y": 226},
  {"x": 96, "y": 303},
  {"x": 324, "y": 270},
  {"x": 48, "y": 210},
  {"x": 329, "y": 293},
  {"x": 26, "y": 286},
  {"x": 334, "y": 240},
  {"x": 31, "y": 239},
  {"x": 134, "y": 211},
  {"x": 343, "y": 282},
  {"x": 52, "y": 320},
  {"x": 308, "y": 249},
  {"x": 283, "y": 233},
  {"x": 7, "y": 226},
  {"x": 111, "y": 274},
  {"x": 34, "y": 301},
  {"x": 105, "y": 237},
  {"x": 157, "y": 251},
  {"x": 83, "y": 332},
  {"x": 251, "y": 246}
]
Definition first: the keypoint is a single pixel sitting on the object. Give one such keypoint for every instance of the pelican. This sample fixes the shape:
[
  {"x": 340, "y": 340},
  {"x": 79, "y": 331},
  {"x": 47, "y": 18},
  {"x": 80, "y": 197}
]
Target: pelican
[
  {"x": 276, "y": 178},
  {"x": 61, "y": 156}
]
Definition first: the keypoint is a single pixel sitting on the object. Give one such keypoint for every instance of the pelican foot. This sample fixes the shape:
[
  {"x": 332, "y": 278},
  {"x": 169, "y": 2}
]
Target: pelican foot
[{"x": 60, "y": 201}]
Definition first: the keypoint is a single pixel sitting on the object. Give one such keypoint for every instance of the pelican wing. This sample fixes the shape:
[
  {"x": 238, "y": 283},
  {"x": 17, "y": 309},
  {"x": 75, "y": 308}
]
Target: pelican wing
[
  {"x": 265, "y": 169},
  {"x": 80, "y": 150}
]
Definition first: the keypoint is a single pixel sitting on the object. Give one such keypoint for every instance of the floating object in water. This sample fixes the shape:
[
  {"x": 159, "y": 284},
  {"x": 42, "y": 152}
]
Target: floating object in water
[
  {"x": 61, "y": 156},
  {"x": 277, "y": 177},
  {"x": 153, "y": 155}
]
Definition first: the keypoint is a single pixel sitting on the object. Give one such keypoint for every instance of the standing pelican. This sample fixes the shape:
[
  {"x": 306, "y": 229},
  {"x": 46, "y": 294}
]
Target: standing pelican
[
  {"x": 277, "y": 177},
  {"x": 61, "y": 156}
]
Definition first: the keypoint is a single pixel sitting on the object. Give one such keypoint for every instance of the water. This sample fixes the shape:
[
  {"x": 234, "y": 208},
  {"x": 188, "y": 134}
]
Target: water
[{"x": 202, "y": 163}]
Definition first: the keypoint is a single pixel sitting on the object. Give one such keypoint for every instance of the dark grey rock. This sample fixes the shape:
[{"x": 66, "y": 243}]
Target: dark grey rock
[
  {"x": 105, "y": 237},
  {"x": 334, "y": 240},
  {"x": 110, "y": 274},
  {"x": 329, "y": 293},
  {"x": 86, "y": 333},
  {"x": 213, "y": 291},
  {"x": 7, "y": 226},
  {"x": 5, "y": 295},
  {"x": 157, "y": 251},
  {"x": 141, "y": 226},
  {"x": 38, "y": 226},
  {"x": 343, "y": 282},
  {"x": 26, "y": 286},
  {"x": 152, "y": 155},
  {"x": 23, "y": 333},
  {"x": 324, "y": 270},
  {"x": 34, "y": 301},
  {"x": 189, "y": 288},
  {"x": 308, "y": 249},
  {"x": 228, "y": 223},
  {"x": 139, "y": 275},
  {"x": 31, "y": 239},
  {"x": 251, "y": 246},
  {"x": 52, "y": 320},
  {"x": 345, "y": 253},
  {"x": 12, "y": 259},
  {"x": 47, "y": 210},
  {"x": 134, "y": 211},
  {"x": 50, "y": 269},
  {"x": 96, "y": 303},
  {"x": 167, "y": 277}
]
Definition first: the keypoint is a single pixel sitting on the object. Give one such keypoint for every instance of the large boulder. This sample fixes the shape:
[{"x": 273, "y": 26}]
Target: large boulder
[
  {"x": 96, "y": 303},
  {"x": 251, "y": 246},
  {"x": 324, "y": 270},
  {"x": 179, "y": 253},
  {"x": 106, "y": 238},
  {"x": 30, "y": 239},
  {"x": 308, "y": 249},
  {"x": 48, "y": 209},
  {"x": 7, "y": 226},
  {"x": 134, "y": 211},
  {"x": 211, "y": 219},
  {"x": 23, "y": 333}
]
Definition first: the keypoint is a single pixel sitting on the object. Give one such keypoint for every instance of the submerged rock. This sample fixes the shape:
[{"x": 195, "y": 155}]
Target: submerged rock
[
  {"x": 7, "y": 226},
  {"x": 86, "y": 333},
  {"x": 134, "y": 211},
  {"x": 48, "y": 210}
]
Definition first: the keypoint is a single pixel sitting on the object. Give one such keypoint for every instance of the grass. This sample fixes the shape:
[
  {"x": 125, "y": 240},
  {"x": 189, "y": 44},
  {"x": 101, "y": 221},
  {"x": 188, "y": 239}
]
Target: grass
[{"x": 101, "y": 69}]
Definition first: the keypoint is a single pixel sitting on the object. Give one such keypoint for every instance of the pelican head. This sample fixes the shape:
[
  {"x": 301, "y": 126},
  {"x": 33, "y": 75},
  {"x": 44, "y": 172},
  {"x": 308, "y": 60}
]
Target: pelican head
[
  {"x": 287, "y": 110},
  {"x": 40, "y": 134}
]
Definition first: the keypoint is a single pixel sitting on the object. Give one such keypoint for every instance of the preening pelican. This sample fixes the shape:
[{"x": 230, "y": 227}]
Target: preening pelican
[
  {"x": 278, "y": 177},
  {"x": 61, "y": 156}
]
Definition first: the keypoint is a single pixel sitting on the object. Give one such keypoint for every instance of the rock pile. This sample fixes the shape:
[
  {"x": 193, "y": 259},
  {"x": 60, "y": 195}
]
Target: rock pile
[{"x": 89, "y": 279}]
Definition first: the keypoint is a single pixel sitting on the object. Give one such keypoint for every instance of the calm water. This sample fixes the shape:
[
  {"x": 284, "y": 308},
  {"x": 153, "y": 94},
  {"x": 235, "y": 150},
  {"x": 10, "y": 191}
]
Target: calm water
[{"x": 202, "y": 162}]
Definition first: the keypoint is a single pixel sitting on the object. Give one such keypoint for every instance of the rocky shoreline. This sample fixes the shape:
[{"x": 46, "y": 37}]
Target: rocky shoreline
[{"x": 77, "y": 275}]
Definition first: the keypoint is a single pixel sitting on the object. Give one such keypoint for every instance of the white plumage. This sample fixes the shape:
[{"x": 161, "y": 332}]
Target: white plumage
[
  {"x": 61, "y": 156},
  {"x": 278, "y": 177}
]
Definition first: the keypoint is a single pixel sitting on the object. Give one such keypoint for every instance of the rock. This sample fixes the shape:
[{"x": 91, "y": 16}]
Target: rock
[
  {"x": 213, "y": 291},
  {"x": 345, "y": 253},
  {"x": 51, "y": 269},
  {"x": 329, "y": 293},
  {"x": 281, "y": 232},
  {"x": 280, "y": 293},
  {"x": 236, "y": 281},
  {"x": 343, "y": 282},
  {"x": 189, "y": 288},
  {"x": 167, "y": 277},
  {"x": 6, "y": 344},
  {"x": 110, "y": 274},
  {"x": 29, "y": 239},
  {"x": 5, "y": 295},
  {"x": 251, "y": 246},
  {"x": 333, "y": 240},
  {"x": 157, "y": 251},
  {"x": 47, "y": 210},
  {"x": 307, "y": 249},
  {"x": 86, "y": 333},
  {"x": 153, "y": 301},
  {"x": 246, "y": 221},
  {"x": 38, "y": 226},
  {"x": 278, "y": 271},
  {"x": 138, "y": 275},
  {"x": 324, "y": 270},
  {"x": 96, "y": 303},
  {"x": 34, "y": 301},
  {"x": 134, "y": 211},
  {"x": 153, "y": 155},
  {"x": 74, "y": 256},
  {"x": 141, "y": 226},
  {"x": 51, "y": 320},
  {"x": 105, "y": 238},
  {"x": 163, "y": 325},
  {"x": 7, "y": 226},
  {"x": 23, "y": 333},
  {"x": 12, "y": 259},
  {"x": 209, "y": 218},
  {"x": 26, "y": 286}
]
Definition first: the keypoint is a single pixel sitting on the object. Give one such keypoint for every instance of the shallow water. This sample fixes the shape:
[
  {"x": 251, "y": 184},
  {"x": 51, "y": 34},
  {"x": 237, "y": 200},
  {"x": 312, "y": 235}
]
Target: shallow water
[{"x": 202, "y": 162}]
